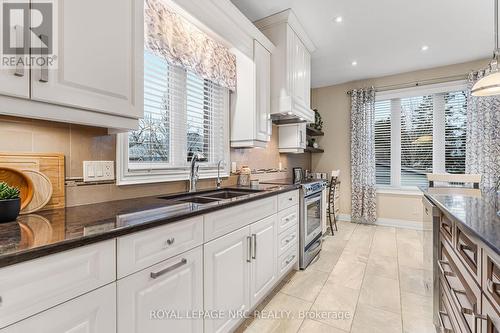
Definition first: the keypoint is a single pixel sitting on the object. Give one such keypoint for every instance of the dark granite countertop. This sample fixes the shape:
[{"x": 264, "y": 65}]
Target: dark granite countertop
[
  {"x": 477, "y": 211},
  {"x": 47, "y": 232}
]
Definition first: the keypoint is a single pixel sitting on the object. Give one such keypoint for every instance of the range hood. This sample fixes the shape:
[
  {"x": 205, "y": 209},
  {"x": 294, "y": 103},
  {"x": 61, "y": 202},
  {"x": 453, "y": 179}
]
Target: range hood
[{"x": 289, "y": 111}]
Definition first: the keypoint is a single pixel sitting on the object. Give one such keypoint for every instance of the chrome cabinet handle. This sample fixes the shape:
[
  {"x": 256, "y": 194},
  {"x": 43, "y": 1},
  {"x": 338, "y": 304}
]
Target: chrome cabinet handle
[
  {"x": 440, "y": 264},
  {"x": 44, "y": 71},
  {"x": 169, "y": 242},
  {"x": 254, "y": 248},
  {"x": 154, "y": 275},
  {"x": 290, "y": 260},
  {"x": 289, "y": 239},
  {"x": 19, "y": 67},
  {"x": 441, "y": 321},
  {"x": 492, "y": 286},
  {"x": 249, "y": 249}
]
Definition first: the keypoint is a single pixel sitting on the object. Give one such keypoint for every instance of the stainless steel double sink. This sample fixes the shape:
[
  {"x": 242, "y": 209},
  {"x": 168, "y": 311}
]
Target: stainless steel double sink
[{"x": 211, "y": 196}]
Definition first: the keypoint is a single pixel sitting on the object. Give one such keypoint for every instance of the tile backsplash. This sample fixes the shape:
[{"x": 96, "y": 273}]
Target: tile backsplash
[{"x": 80, "y": 143}]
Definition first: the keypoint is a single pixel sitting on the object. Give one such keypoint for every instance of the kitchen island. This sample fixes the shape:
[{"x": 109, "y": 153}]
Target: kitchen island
[{"x": 466, "y": 258}]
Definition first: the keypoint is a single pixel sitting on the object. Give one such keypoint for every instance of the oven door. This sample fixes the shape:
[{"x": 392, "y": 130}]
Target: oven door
[{"x": 312, "y": 217}]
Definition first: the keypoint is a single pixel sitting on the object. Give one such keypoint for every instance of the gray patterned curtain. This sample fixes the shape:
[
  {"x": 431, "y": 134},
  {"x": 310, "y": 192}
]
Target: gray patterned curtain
[
  {"x": 483, "y": 136},
  {"x": 171, "y": 36},
  {"x": 363, "y": 187}
]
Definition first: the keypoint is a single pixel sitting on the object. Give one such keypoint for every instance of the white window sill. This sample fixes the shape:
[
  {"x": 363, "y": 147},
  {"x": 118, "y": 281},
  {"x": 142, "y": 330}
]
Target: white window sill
[{"x": 408, "y": 191}]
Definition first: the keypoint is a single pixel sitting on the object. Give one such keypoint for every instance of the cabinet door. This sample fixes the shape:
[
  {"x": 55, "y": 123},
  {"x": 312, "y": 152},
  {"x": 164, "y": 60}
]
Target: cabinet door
[
  {"x": 264, "y": 257},
  {"x": 159, "y": 298},
  {"x": 262, "y": 59},
  {"x": 94, "y": 312},
  {"x": 99, "y": 67},
  {"x": 14, "y": 81},
  {"x": 227, "y": 279}
]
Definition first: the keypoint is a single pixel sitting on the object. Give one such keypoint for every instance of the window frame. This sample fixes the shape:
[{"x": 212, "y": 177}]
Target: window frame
[
  {"x": 127, "y": 175},
  {"x": 438, "y": 147}
]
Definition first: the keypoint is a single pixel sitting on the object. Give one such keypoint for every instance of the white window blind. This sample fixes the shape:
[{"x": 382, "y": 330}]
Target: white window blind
[
  {"x": 455, "y": 131},
  {"x": 428, "y": 133},
  {"x": 416, "y": 139},
  {"x": 183, "y": 115}
]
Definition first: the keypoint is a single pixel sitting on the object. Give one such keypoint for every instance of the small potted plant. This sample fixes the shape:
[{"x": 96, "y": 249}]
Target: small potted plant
[{"x": 10, "y": 203}]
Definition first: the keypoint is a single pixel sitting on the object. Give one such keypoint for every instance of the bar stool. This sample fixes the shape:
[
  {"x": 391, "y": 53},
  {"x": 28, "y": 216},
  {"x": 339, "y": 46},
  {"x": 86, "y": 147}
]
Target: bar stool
[{"x": 333, "y": 207}]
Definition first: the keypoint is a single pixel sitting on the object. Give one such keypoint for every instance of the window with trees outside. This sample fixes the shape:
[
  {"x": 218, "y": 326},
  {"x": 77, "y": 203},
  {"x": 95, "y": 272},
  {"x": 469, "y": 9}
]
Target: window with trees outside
[
  {"x": 183, "y": 115},
  {"x": 419, "y": 132}
]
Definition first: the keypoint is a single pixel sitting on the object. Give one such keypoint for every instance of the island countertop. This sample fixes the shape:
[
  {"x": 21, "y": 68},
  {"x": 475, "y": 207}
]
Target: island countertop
[
  {"x": 477, "y": 211},
  {"x": 47, "y": 232}
]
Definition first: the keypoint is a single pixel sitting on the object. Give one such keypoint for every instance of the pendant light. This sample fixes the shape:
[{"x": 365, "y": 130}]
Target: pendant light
[{"x": 490, "y": 84}]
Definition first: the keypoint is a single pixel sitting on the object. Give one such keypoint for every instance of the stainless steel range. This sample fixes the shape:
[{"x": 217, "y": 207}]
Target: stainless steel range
[{"x": 310, "y": 224}]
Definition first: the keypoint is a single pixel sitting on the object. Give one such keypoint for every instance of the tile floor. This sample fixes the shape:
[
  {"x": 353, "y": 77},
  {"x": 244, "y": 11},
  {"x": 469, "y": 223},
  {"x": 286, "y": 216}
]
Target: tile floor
[{"x": 375, "y": 276}]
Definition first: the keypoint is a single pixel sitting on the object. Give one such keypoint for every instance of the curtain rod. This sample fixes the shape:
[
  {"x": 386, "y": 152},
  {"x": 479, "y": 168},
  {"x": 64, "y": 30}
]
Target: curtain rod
[{"x": 418, "y": 83}]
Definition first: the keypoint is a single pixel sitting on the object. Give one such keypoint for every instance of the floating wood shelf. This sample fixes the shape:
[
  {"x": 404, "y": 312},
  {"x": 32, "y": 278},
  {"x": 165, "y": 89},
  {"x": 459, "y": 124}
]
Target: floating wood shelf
[
  {"x": 314, "y": 132},
  {"x": 314, "y": 150}
]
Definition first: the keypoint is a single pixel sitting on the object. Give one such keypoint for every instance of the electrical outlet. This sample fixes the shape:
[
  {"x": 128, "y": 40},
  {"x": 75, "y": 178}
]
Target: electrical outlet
[{"x": 95, "y": 171}]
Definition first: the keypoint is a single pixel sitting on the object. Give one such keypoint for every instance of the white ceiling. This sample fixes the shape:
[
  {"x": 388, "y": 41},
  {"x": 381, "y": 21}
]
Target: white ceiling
[{"x": 385, "y": 36}]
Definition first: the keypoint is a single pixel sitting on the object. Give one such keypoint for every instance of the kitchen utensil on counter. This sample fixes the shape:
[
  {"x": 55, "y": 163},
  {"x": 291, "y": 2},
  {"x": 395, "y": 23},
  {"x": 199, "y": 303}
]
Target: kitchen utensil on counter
[
  {"x": 42, "y": 191},
  {"x": 16, "y": 178},
  {"x": 244, "y": 177},
  {"x": 50, "y": 164}
]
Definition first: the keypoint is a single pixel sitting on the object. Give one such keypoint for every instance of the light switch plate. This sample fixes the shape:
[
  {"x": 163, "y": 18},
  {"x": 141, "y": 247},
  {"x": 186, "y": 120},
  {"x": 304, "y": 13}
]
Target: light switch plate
[{"x": 95, "y": 171}]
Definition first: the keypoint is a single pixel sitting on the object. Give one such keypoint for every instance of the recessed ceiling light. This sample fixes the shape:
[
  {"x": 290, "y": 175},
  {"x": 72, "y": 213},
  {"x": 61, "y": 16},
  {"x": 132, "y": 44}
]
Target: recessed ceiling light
[
  {"x": 354, "y": 63},
  {"x": 339, "y": 19},
  {"x": 424, "y": 48}
]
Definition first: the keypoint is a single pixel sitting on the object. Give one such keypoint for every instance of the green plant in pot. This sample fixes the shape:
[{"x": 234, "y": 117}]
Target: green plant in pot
[{"x": 10, "y": 203}]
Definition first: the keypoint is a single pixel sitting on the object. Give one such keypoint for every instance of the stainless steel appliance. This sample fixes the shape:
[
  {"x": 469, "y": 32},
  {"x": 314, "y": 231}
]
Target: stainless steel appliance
[
  {"x": 431, "y": 252},
  {"x": 310, "y": 223}
]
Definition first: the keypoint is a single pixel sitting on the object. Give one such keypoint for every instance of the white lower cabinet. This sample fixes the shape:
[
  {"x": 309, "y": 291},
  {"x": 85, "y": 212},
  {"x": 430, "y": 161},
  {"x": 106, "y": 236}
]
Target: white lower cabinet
[
  {"x": 227, "y": 278},
  {"x": 94, "y": 312},
  {"x": 164, "y": 297},
  {"x": 264, "y": 258}
]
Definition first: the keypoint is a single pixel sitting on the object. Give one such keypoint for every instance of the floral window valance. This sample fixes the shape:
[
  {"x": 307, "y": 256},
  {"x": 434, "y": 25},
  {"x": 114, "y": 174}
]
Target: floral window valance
[{"x": 169, "y": 35}]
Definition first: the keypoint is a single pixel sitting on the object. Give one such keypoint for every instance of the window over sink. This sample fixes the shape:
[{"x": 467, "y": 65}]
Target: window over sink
[
  {"x": 186, "y": 104},
  {"x": 419, "y": 131}
]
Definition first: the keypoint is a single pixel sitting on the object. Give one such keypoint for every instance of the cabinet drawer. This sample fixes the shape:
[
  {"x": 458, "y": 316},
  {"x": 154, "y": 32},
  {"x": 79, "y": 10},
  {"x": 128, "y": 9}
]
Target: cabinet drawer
[
  {"x": 287, "y": 239},
  {"x": 36, "y": 285},
  {"x": 469, "y": 252},
  {"x": 227, "y": 220},
  {"x": 93, "y": 312},
  {"x": 140, "y": 250},
  {"x": 464, "y": 293},
  {"x": 446, "y": 315},
  {"x": 287, "y": 260},
  {"x": 491, "y": 278},
  {"x": 288, "y": 199},
  {"x": 288, "y": 218},
  {"x": 491, "y": 323},
  {"x": 446, "y": 228},
  {"x": 173, "y": 285}
]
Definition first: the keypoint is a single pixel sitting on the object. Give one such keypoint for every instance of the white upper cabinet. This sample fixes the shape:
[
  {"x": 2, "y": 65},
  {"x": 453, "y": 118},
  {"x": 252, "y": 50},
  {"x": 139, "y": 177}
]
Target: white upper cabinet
[
  {"x": 292, "y": 138},
  {"x": 290, "y": 67},
  {"x": 14, "y": 81},
  {"x": 96, "y": 68},
  {"x": 251, "y": 104},
  {"x": 97, "y": 78}
]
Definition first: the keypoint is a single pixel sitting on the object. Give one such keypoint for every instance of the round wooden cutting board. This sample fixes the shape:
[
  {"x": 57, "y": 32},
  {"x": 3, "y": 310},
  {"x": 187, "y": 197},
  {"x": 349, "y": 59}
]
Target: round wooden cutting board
[
  {"x": 17, "y": 178},
  {"x": 42, "y": 191}
]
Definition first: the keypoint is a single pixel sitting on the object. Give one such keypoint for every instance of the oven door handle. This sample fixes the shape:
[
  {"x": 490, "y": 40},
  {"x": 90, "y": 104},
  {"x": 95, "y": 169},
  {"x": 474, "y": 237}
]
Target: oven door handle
[{"x": 309, "y": 200}]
